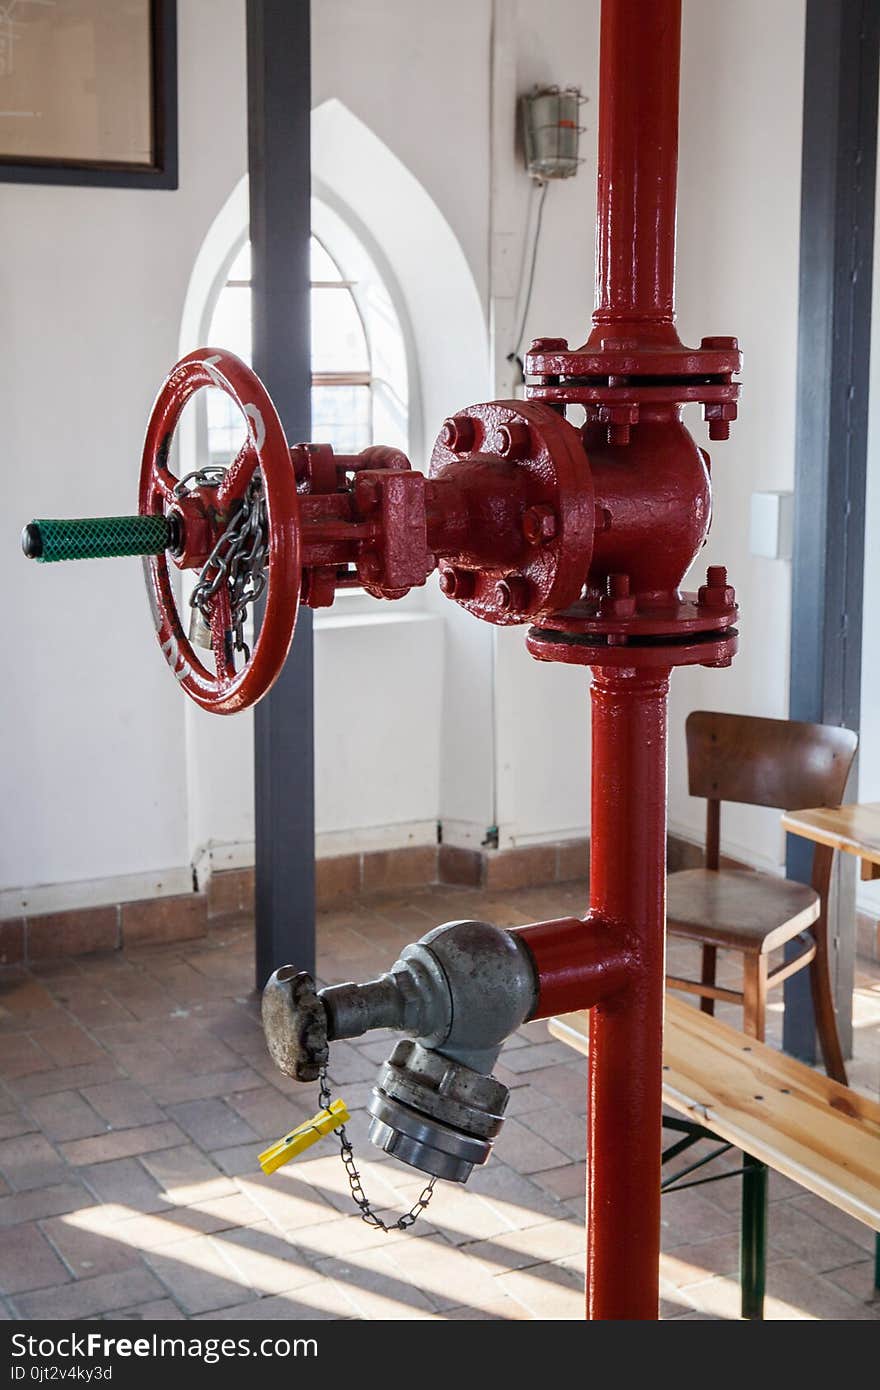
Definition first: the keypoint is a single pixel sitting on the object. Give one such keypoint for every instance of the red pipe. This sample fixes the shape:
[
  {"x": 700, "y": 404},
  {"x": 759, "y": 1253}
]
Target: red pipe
[
  {"x": 627, "y": 886},
  {"x": 638, "y": 163},
  {"x": 578, "y": 962}
]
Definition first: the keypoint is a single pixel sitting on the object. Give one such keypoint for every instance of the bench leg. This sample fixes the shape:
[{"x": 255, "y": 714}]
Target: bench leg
[{"x": 753, "y": 1238}]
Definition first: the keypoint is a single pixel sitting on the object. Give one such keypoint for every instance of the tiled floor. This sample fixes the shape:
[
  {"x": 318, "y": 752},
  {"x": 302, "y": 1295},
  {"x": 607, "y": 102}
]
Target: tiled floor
[{"x": 136, "y": 1092}]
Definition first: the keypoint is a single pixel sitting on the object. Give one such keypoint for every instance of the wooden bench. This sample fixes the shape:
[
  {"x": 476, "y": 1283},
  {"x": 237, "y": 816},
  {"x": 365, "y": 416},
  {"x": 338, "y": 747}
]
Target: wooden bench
[{"x": 780, "y": 1113}]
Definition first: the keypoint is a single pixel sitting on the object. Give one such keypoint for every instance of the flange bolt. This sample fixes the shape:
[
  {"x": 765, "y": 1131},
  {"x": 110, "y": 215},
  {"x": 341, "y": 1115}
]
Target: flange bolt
[
  {"x": 460, "y": 584},
  {"x": 539, "y": 524},
  {"x": 549, "y": 345},
  {"x": 511, "y": 441},
  {"x": 512, "y": 594},
  {"x": 716, "y": 592},
  {"x": 458, "y": 433}
]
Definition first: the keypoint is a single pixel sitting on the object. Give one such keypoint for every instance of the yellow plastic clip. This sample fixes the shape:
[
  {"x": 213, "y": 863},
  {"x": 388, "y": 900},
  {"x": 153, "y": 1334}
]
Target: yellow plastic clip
[{"x": 304, "y": 1136}]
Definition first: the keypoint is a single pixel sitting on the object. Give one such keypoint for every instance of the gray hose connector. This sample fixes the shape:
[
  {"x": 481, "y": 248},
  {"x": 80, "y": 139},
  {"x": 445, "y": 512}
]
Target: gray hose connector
[{"x": 461, "y": 991}]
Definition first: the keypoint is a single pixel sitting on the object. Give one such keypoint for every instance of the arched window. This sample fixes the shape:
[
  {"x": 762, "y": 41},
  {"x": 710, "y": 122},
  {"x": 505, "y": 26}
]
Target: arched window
[{"x": 358, "y": 359}]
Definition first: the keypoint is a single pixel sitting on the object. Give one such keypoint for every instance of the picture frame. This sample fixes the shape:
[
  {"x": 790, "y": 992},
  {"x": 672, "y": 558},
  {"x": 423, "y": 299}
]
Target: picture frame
[{"x": 139, "y": 138}]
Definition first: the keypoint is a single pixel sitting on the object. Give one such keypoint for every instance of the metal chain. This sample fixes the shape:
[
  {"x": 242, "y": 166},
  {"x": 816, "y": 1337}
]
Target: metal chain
[
  {"x": 239, "y": 556},
  {"x": 362, "y": 1201}
]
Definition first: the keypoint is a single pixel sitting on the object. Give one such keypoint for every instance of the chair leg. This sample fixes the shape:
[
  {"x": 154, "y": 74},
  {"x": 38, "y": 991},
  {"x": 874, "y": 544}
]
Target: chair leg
[
  {"x": 707, "y": 977},
  {"x": 826, "y": 1019},
  {"x": 754, "y": 995}
]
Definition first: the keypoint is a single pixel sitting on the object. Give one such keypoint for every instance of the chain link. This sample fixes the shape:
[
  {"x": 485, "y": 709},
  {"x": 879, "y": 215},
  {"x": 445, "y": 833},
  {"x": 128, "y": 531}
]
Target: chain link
[
  {"x": 361, "y": 1200},
  {"x": 239, "y": 556}
]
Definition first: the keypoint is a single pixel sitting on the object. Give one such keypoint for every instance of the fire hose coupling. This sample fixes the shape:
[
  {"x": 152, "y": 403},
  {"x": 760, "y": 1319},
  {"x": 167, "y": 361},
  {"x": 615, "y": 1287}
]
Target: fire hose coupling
[{"x": 458, "y": 994}]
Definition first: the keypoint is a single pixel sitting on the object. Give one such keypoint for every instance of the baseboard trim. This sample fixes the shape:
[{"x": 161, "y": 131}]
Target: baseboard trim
[{"x": 38, "y": 937}]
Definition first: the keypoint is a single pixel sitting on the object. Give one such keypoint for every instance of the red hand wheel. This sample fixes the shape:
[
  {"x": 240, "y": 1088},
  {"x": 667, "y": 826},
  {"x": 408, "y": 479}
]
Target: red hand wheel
[{"x": 248, "y": 514}]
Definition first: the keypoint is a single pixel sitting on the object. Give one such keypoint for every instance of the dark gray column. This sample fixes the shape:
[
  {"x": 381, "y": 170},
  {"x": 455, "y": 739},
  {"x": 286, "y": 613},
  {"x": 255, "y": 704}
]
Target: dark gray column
[
  {"x": 834, "y": 338},
  {"x": 279, "y": 113}
]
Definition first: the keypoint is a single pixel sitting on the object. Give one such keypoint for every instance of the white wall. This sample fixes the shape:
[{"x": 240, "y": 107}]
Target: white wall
[
  {"x": 97, "y": 750},
  {"x": 92, "y": 283},
  {"x": 739, "y": 211}
]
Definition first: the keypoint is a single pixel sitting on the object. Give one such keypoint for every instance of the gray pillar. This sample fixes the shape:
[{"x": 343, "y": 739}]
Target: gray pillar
[
  {"x": 834, "y": 340},
  {"x": 279, "y": 114}
]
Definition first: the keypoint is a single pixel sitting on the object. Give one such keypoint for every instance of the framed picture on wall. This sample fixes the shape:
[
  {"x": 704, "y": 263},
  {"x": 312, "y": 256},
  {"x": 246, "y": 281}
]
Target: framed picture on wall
[{"x": 88, "y": 92}]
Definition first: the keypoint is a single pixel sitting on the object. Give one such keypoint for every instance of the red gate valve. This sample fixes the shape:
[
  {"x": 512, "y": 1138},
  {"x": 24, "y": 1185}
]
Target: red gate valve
[{"x": 507, "y": 513}]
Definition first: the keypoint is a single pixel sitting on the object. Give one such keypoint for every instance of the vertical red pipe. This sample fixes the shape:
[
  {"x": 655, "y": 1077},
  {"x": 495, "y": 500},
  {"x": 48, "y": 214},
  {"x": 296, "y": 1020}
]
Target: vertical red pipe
[
  {"x": 638, "y": 162},
  {"x": 628, "y": 875}
]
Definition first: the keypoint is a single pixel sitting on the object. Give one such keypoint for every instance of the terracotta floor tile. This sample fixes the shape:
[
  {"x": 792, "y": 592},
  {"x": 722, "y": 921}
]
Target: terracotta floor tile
[
  {"x": 65, "y": 1116},
  {"x": 535, "y": 1245},
  {"x": 71, "y": 1046},
  {"x": 124, "y": 1181},
  {"x": 212, "y": 1124},
  {"x": 377, "y": 1287},
  {"x": 186, "y": 1176},
  {"x": 123, "y": 1104},
  {"x": 122, "y": 1143},
  {"x": 265, "y": 1260},
  {"x": 43, "y": 1201},
  {"x": 28, "y": 1261},
  {"x": 794, "y": 1291},
  {"x": 88, "y": 1253},
  {"x": 44, "y": 1083},
  {"x": 171, "y": 1089},
  {"x": 546, "y": 1291},
  {"x": 15, "y": 1122},
  {"x": 30, "y": 1161},
  {"x": 524, "y": 1150},
  {"x": 87, "y": 1298},
  {"x": 558, "y": 1127},
  {"x": 568, "y": 1181},
  {"x": 322, "y": 1300},
  {"x": 160, "y": 1310},
  {"x": 796, "y": 1232},
  {"x": 858, "y": 1281},
  {"x": 21, "y": 1055},
  {"x": 197, "y": 1276}
]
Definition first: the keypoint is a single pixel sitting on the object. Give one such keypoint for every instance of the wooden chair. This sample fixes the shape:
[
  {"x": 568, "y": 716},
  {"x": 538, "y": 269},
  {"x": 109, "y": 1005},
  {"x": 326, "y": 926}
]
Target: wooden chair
[{"x": 761, "y": 762}]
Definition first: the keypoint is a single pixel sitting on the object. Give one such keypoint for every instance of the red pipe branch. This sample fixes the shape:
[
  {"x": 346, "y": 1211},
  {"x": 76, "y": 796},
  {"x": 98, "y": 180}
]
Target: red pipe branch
[{"x": 579, "y": 961}]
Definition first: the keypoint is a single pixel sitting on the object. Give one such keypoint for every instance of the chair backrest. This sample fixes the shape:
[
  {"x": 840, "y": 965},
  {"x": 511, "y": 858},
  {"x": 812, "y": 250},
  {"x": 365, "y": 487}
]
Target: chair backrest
[{"x": 767, "y": 762}]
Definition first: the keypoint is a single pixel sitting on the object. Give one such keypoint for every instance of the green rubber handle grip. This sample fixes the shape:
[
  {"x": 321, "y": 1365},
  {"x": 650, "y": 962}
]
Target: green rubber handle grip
[{"x": 95, "y": 538}]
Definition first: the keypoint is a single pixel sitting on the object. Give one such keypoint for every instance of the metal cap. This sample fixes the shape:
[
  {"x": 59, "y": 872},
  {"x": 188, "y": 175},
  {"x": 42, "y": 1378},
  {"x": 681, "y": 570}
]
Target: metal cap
[{"x": 435, "y": 1114}]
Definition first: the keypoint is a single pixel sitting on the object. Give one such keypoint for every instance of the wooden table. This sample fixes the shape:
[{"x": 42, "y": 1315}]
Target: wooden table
[{"x": 851, "y": 829}]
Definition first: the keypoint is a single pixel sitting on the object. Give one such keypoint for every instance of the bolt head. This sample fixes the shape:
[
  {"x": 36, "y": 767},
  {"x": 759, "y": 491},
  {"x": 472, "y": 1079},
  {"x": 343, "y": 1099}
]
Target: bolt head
[
  {"x": 716, "y": 592},
  {"x": 512, "y": 594},
  {"x": 512, "y": 440},
  {"x": 458, "y": 433},
  {"x": 539, "y": 524},
  {"x": 549, "y": 345},
  {"x": 719, "y": 344},
  {"x": 456, "y": 583}
]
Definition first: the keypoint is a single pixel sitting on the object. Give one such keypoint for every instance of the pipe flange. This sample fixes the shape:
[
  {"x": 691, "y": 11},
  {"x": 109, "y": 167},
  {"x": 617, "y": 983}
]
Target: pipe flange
[
  {"x": 434, "y": 1113},
  {"x": 536, "y": 447}
]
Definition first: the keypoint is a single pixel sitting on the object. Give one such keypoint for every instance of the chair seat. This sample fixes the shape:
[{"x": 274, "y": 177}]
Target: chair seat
[{"x": 739, "y": 909}]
